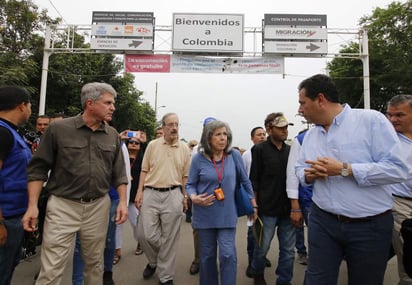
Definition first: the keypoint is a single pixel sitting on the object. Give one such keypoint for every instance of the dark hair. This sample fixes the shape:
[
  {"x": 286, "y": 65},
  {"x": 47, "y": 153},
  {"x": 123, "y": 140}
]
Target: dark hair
[
  {"x": 269, "y": 118},
  {"x": 400, "y": 99},
  {"x": 12, "y": 96},
  {"x": 252, "y": 133},
  {"x": 320, "y": 83},
  {"x": 207, "y": 134},
  {"x": 42, "y": 117}
]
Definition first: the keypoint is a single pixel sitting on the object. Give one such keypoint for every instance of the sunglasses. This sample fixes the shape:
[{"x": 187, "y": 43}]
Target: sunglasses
[{"x": 134, "y": 142}]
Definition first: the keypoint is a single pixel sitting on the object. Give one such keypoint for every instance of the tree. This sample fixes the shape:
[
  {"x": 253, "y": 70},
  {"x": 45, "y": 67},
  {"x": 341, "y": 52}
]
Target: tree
[
  {"x": 390, "y": 58},
  {"x": 21, "y": 56}
]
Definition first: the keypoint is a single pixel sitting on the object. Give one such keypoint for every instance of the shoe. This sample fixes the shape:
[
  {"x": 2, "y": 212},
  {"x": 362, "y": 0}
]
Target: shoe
[
  {"x": 108, "y": 278},
  {"x": 168, "y": 282},
  {"x": 188, "y": 220},
  {"x": 259, "y": 279},
  {"x": 268, "y": 263},
  {"x": 116, "y": 259},
  {"x": 249, "y": 272},
  {"x": 302, "y": 259},
  {"x": 139, "y": 250},
  {"x": 194, "y": 268},
  {"x": 148, "y": 271}
]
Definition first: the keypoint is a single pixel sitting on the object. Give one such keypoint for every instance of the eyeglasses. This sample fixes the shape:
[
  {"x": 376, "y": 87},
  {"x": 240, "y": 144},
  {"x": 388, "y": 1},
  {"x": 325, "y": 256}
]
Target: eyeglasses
[{"x": 134, "y": 142}]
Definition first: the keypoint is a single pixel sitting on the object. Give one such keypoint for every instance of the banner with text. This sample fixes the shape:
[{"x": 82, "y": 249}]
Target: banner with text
[{"x": 203, "y": 64}]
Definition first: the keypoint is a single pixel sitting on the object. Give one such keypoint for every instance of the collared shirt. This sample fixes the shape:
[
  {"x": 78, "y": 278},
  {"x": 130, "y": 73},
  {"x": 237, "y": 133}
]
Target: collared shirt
[
  {"x": 268, "y": 176},
  {"x": 367, "y": 141},
  {"x": 404, "y": 189},
  {"x": 166, "y": 165},
  {"x": 292, "y": 181},
  {"x": 83, "y": 163},
  {"x": 247, "y": 160}
]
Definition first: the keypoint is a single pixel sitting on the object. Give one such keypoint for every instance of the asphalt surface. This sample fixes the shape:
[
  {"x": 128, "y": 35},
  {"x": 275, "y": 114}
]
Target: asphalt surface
[{"x": 130, "y": 268}]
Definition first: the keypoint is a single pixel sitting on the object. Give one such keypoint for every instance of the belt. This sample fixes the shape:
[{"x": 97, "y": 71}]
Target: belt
[
  {"x": 164, "y": 189},
  {"x": 84, "y": 200},
  {"x": 345, "y": 219},
  {"x": 402, "y": 197}
]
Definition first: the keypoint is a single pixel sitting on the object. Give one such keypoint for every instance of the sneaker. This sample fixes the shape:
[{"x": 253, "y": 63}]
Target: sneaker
[
  {"x": 148, "y": 271},
  {"x": 168, "y": 282},
  {"x": 302, "y": 259}
]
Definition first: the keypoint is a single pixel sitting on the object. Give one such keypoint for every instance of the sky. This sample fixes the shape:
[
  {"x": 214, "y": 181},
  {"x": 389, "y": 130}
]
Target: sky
[{"x": 241, "y": 100}]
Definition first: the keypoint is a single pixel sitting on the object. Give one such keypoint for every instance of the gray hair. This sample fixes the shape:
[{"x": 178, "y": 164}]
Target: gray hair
[
  {"x": 207, "y": 134},
  {"x": 165, "y": 117},
  {"x": 94, "y": 91},
  {"x": 400, "y": 99}
]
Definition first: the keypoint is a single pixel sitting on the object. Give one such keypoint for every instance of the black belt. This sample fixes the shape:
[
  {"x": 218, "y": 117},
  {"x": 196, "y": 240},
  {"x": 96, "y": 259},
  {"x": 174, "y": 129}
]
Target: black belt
[
  {"x": 84, "y": 200},
  {"x": 407, "y": 198},
  {"x": 164, "y": 189},
  {"x": 345, "y": 219}
]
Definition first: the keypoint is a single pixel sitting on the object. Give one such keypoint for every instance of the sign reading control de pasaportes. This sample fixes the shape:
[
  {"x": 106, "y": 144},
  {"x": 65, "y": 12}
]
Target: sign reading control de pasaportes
[{"x": 220, "y": 33}]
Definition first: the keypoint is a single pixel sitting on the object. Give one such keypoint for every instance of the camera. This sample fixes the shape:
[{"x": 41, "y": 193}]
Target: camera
[
  {"x": 30, "y": 136},
  {"x": 131, "y": 134}
]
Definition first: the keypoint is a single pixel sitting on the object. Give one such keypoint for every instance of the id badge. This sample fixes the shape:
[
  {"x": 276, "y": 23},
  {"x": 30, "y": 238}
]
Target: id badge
[{"x": 219, "y": 194}]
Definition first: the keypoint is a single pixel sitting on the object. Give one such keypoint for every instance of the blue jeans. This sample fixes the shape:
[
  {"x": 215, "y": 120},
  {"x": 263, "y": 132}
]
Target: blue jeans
[
  {"x": 286, "y": 237},
  {"x": 365, "y": 246},
  {"x": 251, "y": 244},
  {"x": 300, "y": 232},
  {"x": 10, "y": 252},
  {"x": 78, "y": 264},
  {"x": 209, "y": 240}
]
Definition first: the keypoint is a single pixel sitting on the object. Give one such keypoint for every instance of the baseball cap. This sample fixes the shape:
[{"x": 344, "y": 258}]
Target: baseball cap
[
  {"x": 208, "y": 120},
  {"x": 280, "y": 122}
]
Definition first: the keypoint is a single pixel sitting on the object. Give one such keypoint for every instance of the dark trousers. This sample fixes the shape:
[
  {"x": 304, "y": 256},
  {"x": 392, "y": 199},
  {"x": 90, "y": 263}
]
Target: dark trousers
[{"x": 365, "y": 246}]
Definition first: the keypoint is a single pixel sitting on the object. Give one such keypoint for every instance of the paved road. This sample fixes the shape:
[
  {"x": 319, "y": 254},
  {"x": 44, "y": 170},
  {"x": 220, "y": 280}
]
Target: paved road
[{"x": 130, "y": 268}]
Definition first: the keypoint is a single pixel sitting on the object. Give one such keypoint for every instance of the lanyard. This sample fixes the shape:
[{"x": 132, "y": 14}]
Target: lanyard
[{"x": 219, "y": 172}]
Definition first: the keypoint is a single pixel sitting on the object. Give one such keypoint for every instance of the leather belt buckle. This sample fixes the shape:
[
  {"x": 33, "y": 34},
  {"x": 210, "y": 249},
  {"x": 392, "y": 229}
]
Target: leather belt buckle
[{"x": 87, "y": 200}]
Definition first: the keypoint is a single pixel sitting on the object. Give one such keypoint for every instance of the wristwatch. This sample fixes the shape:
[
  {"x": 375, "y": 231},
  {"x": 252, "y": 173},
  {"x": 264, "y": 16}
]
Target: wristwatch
[{"x": 345, "y": 170}]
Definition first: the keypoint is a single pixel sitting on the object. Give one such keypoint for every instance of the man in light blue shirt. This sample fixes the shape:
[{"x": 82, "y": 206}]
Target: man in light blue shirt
[
  {"x": 399, "y": 113},
  {"x": 349, "y": 157}
]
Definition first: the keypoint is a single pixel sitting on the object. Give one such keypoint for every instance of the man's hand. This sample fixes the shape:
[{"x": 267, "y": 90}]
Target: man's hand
[
  {"x": 296, "y": 218},
  {"x": 30, "y": 219},
  {"x": 138, "y": 201},
  {"x": 121, "y": 213}
]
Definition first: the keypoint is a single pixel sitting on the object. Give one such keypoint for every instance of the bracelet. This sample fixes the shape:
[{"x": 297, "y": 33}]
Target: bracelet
[
  {"x": 295, "y": 210},
  {"x": 255, "y": 207}
]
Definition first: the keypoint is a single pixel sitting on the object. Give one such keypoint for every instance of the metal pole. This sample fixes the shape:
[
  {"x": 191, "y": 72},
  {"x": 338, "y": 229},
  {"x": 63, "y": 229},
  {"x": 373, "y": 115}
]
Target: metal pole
[
  {"x": 45, "y": 68},
  {"x": 366, "y": 75}
]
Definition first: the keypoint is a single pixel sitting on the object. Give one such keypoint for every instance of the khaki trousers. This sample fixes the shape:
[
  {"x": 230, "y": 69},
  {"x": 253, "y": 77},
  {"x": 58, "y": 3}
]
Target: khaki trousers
[
  {"x": 402, "y": 209},
  {"x": 159, "y": 228},
  {"x": 64, "y": 218}
]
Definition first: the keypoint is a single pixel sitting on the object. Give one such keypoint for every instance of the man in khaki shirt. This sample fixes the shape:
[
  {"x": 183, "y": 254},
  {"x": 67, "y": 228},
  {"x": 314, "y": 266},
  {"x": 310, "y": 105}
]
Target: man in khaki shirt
[
  {"x": 84, "y": 157},
  {"x": 160, "y": 193}
]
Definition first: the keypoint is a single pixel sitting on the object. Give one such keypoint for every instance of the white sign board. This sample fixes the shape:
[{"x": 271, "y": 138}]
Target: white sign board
[
  {"x": 119, "y": 30},
  {"x": 121, "y": 44},
  {"x": 285, "y": 33},
  {"x": 207, "y": 33},
  {"x": 287, "y": 47}
]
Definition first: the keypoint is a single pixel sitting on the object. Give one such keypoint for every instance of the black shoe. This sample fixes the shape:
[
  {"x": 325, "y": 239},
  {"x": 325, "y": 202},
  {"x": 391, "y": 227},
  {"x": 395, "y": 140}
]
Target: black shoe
[
  {"x": 194, "y": 268},
  {"x": 148, "y": 271},
  {"x": 249, "y": 272},
  {"x": 268, "y": 263},
  {"x": 108, "y": 278},
  {"x": 168, "y": 282}
]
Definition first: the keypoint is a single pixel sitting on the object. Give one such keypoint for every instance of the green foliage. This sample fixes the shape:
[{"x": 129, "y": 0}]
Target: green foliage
[
  {"x": 390, "y": 58},
  {"x": 21, "y": 56}
]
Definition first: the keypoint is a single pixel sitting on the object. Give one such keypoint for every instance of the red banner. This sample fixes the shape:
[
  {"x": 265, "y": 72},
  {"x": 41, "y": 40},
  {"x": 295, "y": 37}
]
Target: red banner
[{"x": 147, "y": 63}]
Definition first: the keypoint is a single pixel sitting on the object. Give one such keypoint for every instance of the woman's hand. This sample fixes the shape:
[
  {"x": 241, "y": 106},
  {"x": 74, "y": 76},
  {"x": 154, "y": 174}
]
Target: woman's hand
[{"x": 203, "y": 199}]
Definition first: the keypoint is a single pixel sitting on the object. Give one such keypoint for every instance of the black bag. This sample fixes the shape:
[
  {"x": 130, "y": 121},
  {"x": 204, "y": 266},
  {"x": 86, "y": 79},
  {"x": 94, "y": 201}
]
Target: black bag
[{"x": 406, "y": 232}]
